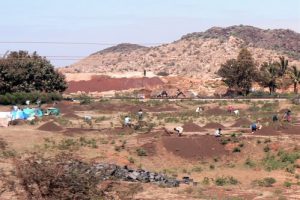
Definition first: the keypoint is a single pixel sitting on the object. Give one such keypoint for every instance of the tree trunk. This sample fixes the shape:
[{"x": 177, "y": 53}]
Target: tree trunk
[{"x": 295, "y": 87}]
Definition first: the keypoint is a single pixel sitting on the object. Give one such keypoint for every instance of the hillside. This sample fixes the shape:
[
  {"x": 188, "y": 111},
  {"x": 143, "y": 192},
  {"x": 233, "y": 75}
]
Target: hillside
[{"x": 195, "y": 54}]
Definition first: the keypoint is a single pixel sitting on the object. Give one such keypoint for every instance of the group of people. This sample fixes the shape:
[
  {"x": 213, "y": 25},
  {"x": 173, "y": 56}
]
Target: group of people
[
  {"x": 127, "y": 119},
  {"x": 218, "y": 132}
]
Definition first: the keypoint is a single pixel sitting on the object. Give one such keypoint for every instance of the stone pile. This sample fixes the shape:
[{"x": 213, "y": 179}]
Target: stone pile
[{"x": 104, "y": 171}]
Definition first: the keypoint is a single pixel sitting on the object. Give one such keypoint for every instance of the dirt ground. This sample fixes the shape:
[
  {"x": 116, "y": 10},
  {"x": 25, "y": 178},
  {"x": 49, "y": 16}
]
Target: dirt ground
[{"x": 239, "y": 156}]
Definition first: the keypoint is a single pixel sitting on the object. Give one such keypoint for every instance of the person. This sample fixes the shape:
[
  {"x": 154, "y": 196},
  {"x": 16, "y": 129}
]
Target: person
[
  {"x": 179, "y": 93},
  {"x": 38, "y": 102},
  {"x": 287, "y": 116},
  {"x": 127, "y": 121},
  {"x": 230, "y": 108},
  {"x": 163, "y": 94},
  {"x": 236, "y": 112},
  {"x": 275, "y": 118},
  {"x": 255, "y": 126},
  {"x": 179, "y": 130},
  {"x": 218, "y": 132},
  {"x": 199, "y": 110},
  {"x": 140, "y": 114}
]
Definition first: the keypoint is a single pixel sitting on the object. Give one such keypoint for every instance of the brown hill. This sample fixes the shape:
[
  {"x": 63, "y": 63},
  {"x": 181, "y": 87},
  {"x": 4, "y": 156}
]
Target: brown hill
[{"x": 196, "y": 54}]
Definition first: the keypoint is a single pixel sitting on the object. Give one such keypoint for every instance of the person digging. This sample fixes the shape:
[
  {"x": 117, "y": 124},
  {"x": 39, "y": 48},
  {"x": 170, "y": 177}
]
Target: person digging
[
  {"x": 178, "y": 130},
  {"x": 179, "y": 93},
  {"x": 140, "y": 114},
  {"x": 127, "y": 122},
  {"x": 218, "y": 132},
  {"x": 255, "y": 126}
]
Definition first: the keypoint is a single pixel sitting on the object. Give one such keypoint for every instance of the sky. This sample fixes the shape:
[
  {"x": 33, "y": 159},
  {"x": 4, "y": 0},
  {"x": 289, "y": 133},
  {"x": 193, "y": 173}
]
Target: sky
[{"x": 145, "y": 22}]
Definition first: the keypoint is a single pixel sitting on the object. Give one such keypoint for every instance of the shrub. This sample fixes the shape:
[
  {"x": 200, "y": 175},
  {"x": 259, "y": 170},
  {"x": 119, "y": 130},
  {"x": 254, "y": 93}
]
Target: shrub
[
  {"x": 267, "y": 182},
  {"x": 56, "y": 179},
  {"x": 141, "y": 152},
  {"x": 287, "y": 184},
  {"x": 229, "y": 180},
  {"x": 236, "y": 150},
  {"x": 20, "y": 98},
  {"x": 250, "y": 163},
  {"x": 162, "y": 73}
]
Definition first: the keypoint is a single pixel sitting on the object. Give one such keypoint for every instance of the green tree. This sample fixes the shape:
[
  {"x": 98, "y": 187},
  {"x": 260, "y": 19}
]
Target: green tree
[
  {"x": 24, "y": 72},
  {"x": 239, "y": 74},
  {"x": 268, "y": 74},
  {"x": 295, "y": 76},
  {"x": 274, "y": 75}
]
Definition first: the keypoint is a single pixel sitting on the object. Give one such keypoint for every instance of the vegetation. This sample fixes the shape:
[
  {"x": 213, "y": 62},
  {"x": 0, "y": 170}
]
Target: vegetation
[
  {"x": 266, "y": 182},
  {"x": 19, "y": 98},
  {"x": 238, "y": 74},
  {"x": 22, "y": 72},
  {"x": 295, "y": 76}
]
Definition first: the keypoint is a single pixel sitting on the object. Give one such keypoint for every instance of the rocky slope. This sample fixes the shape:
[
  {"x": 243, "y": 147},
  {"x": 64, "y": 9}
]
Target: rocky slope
[{"x": 195, "y": 54}]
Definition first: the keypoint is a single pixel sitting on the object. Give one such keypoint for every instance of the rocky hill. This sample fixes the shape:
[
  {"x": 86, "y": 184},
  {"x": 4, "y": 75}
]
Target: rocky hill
[{"x": 196, "y": 54}]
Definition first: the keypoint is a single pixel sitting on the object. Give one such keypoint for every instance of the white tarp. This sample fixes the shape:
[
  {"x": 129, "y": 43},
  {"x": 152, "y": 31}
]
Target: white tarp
[{"x": 5, "y": 118}]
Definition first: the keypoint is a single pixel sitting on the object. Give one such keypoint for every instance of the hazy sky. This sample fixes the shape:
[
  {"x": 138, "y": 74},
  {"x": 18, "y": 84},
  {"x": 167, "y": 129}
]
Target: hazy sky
[{"x": 134, "y": 21}]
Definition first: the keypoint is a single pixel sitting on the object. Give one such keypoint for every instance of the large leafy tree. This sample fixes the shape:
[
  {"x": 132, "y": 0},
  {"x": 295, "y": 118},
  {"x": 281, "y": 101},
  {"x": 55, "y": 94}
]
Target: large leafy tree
[
  {"x": 24, "y": 72},
  {"x": 239, "y": 74}
]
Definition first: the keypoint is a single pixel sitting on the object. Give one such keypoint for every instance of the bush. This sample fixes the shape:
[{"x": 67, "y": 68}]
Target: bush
[
  {"x": 55, "y": 179},
  {"x": 162, "y": 73},
  {"x": 20, "y": 98},
  {"x": 230, "y": 180},
  {"x": 141, "y": 152},
  {"x": 266, "y": 182}
]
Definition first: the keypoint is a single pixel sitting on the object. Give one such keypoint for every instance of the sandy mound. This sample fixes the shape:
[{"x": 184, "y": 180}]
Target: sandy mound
[
  {"x": 101, "y": 84},
  {"x": 191, "y": 127},
  {"x": 194, "y": 147},
  {"x": 50, "y": 126},
  {"x": 213, "y": 125},
  {"x": 241, "y": 122}
]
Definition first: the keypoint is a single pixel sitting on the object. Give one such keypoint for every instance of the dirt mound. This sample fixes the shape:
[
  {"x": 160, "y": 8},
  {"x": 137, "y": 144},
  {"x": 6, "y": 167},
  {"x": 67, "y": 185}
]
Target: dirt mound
[
  {"x": 64, "y": 106},
  {"x": 71, "y": 131},
  {"x": 50, "y": 126},
  {"x": 241, "y": 122},
  {"x": 150, "y": 149},
  {"x": 291, "y": 130},
  {"x": 101, "y": 84},
  {"x": 215, "y": 111},
  {"x": 213, "y": 125},
  {"x": 269, "y": 130},
  {"x": 192, "y": 127},
  {"x": 194, "y": 147},
  {"x": 71, "y": 115}
]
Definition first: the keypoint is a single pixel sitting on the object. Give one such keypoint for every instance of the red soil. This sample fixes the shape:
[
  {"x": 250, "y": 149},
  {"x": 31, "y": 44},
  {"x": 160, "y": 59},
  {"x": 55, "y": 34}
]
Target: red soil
[
  {"x": 268, "y": 130},
  {"x": 150, "y": 148},
  {"x": 191, "y": 127},
  {"x": 101, "y": 84},
  {"x": 50, "y": 126},
  {"x": 291, "y": 130},
  {"x": 71, "y": 131},
  {"x": 215, "y": 111},
  {"x": 241, "y": 122},
  {"x": 194, "y": 147},
  {"x": 213, "y": 125},
  {"x": 71, "y": 115}
]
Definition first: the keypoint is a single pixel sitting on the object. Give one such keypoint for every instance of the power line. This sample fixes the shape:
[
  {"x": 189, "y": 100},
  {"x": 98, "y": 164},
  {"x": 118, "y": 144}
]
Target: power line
[{"x": 71, "y": 43}]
